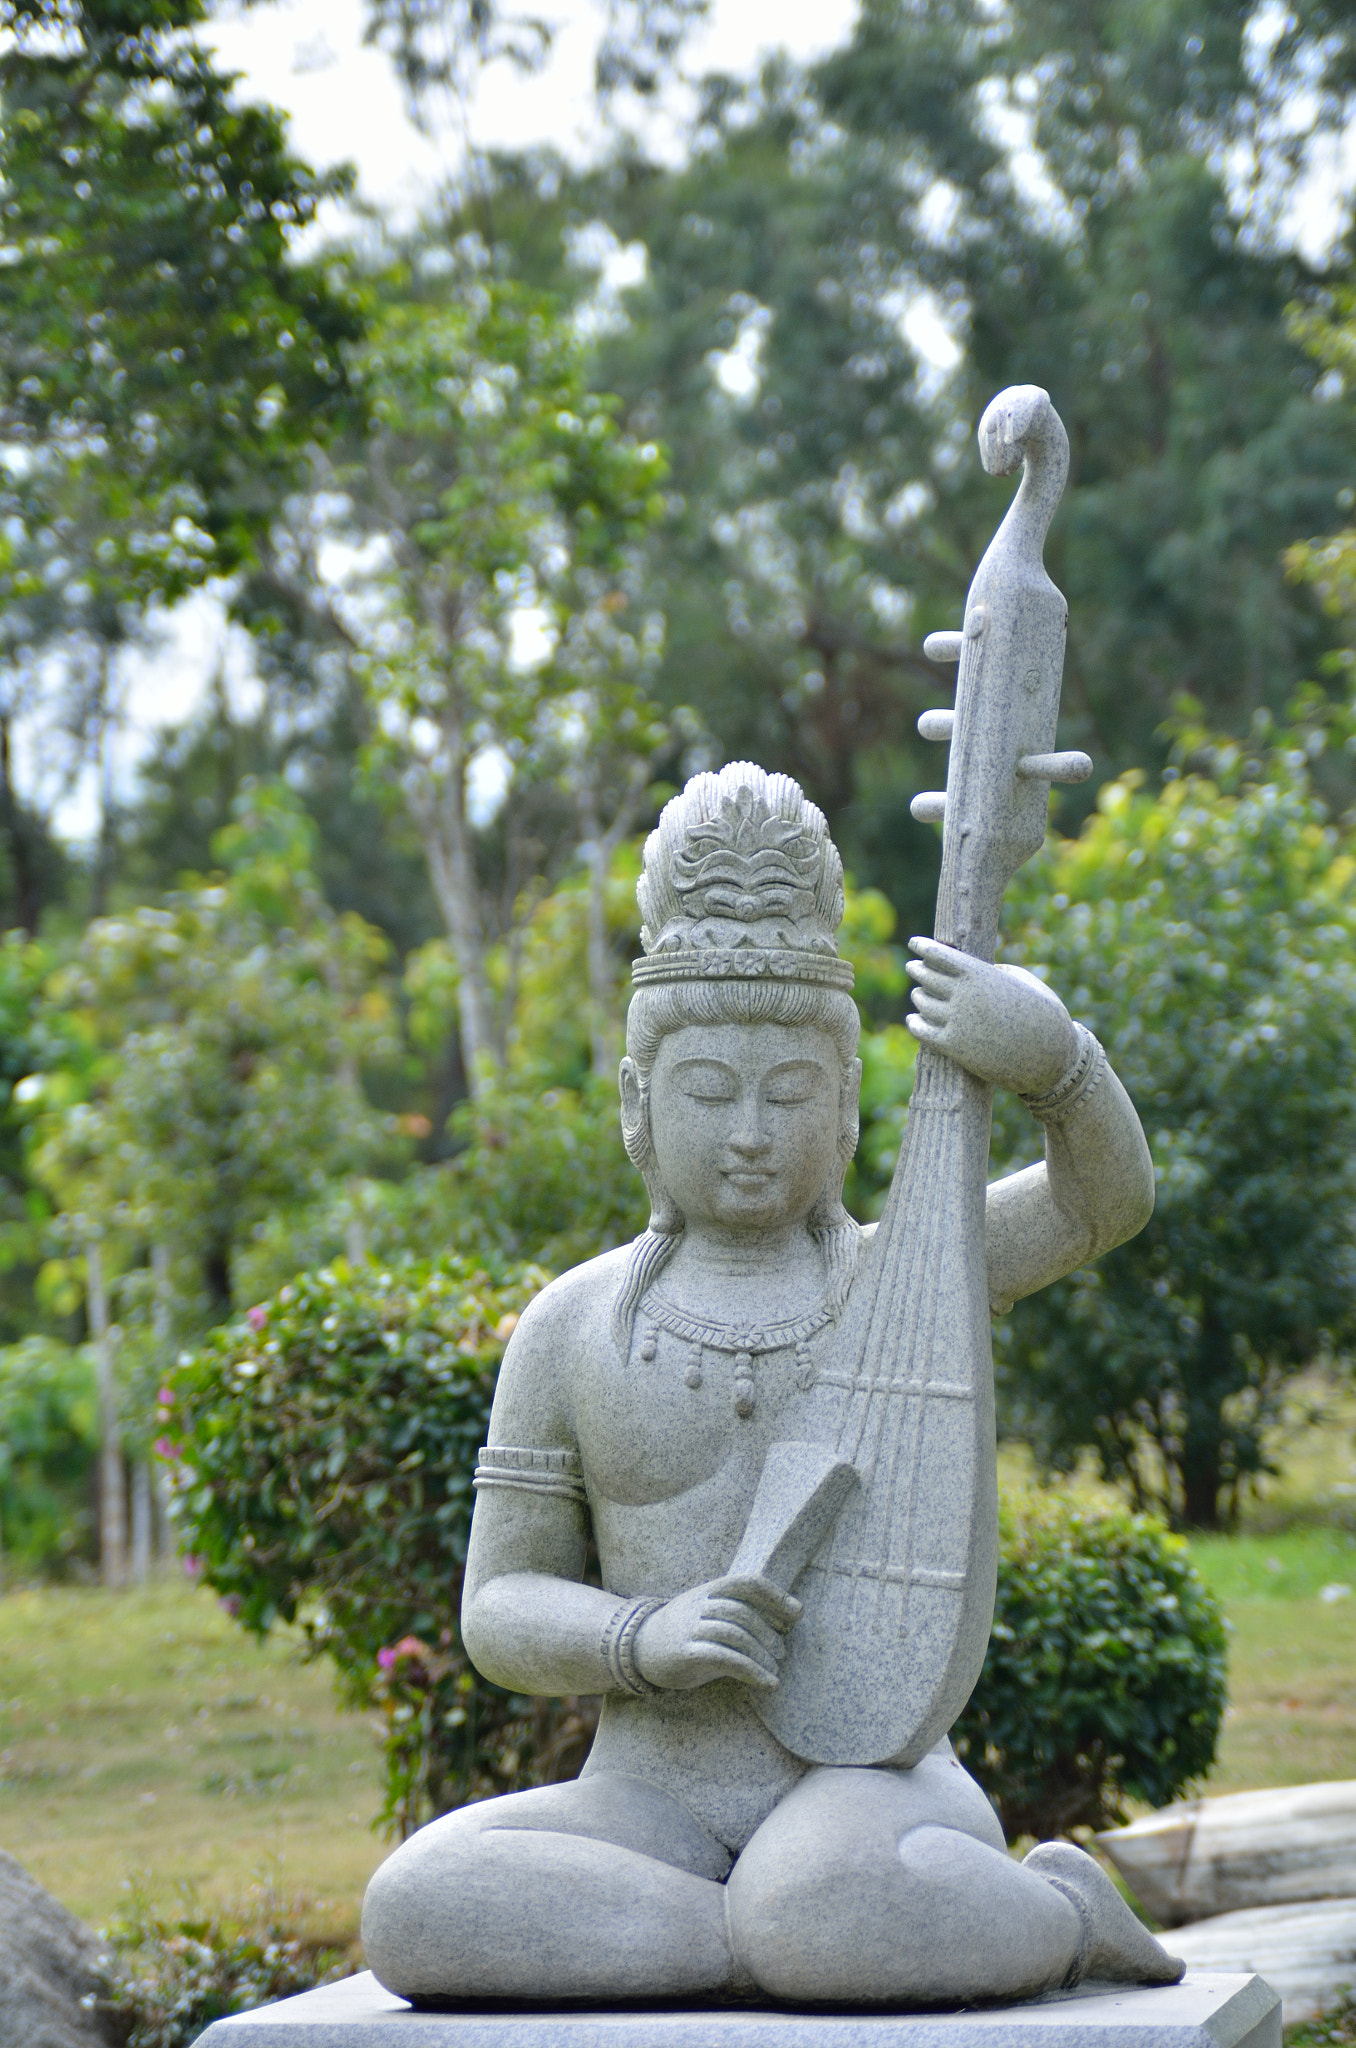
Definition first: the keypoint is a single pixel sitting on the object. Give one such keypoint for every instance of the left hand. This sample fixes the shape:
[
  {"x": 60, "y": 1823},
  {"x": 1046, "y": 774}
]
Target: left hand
[{"x": 999, "y": 1023}]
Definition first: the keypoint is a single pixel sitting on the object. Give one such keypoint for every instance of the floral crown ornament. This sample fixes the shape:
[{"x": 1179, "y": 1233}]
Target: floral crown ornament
[{"x": 741, "y": 882}]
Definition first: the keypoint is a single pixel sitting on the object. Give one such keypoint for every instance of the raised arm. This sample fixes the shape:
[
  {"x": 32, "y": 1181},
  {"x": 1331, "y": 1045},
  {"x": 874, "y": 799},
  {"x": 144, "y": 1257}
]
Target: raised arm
[
  {"x": 1093, "y": 1190},
  {"x": 1095, "y": 1186}
]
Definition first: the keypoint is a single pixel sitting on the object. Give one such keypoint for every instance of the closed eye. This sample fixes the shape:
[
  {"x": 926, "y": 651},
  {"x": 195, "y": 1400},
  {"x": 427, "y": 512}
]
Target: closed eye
[
  {"x": 706, "y": 1081},
  {"x": 793, "y": 1084}
]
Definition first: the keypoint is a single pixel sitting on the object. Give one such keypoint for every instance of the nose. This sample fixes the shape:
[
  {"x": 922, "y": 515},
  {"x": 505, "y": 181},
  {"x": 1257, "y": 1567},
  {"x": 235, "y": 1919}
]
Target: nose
[{"x": 747, "y": 1137}]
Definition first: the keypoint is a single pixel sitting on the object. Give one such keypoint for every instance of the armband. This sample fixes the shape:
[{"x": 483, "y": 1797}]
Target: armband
[
  {"x": 1076, "y": 1085},
  {"x": 526, "y": 1471},
  {"x": 619, "y": 1646}
]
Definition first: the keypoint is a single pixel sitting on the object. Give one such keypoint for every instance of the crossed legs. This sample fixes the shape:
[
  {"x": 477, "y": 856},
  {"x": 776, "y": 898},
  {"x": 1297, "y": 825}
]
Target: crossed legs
[{"x": 880, "y": 1887}]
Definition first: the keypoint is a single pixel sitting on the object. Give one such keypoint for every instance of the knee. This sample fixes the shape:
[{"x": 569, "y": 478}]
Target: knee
[
  {"x": 807, "y": 1917},
  {"x": 409, "y": 1900}
]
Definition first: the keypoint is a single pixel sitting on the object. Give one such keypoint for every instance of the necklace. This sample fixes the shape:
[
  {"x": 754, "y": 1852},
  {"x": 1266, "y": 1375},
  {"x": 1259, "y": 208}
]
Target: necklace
[{"x": 744, "y": 1343}]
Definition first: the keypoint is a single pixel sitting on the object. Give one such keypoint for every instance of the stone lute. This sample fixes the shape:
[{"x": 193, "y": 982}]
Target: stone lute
[{"x": 898, "y": 1599}]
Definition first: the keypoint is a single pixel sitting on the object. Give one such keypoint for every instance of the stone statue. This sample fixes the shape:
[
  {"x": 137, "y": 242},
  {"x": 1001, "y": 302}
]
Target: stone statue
[{"x": 780, "y": 1433}]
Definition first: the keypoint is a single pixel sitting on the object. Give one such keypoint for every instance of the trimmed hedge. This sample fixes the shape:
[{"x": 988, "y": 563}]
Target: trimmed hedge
[
  {"x": 1105, "y": 1676},
  {"x": 323, "y": 1446},
  {"x": 321, "y": 1449}
]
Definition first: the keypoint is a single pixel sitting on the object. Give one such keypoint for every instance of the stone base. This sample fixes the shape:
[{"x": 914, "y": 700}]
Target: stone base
[{"x": 1209, "y": 2009}]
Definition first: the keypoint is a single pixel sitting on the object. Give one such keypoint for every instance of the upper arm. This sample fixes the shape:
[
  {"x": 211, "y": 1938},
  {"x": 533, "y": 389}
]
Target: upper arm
[
  {"x": 1093, "y": 1190},
  {"x": 540, "y": 1524},
  {"x": 1028, "y": 1239}
]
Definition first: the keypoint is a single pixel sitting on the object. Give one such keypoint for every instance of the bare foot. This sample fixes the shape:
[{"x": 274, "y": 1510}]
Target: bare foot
[{"x": 1116, "y": 1947}]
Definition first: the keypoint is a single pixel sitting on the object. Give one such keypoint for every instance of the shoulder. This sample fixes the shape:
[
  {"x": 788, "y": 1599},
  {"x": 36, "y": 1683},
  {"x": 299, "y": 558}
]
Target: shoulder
[
  {"x": 572, "y": 1303},
  {"x": 566, "y": 1321},
  {"x": 534, "y": 1401}
]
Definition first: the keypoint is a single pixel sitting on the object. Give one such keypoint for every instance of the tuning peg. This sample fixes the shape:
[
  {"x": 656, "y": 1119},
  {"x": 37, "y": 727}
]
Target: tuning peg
[
  {"x": 929, "y": 806},
  {"x": 944, "y": 646},
  {"x": 936, "y": 725},
  {"x": 1072, "y": 767}
]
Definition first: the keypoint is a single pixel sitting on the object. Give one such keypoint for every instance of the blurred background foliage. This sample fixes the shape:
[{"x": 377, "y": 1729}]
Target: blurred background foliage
[{"x": 316, "y": 1035}]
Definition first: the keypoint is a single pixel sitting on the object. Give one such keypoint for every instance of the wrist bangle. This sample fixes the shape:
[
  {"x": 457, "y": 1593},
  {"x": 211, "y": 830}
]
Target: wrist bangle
[
  {"x": 1080, "y": 1080},
  {"x": 619, "y": 1646}
]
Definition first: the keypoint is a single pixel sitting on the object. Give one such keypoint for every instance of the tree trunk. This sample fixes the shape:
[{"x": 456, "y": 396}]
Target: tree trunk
[
  {"x": 165, "y": 1545},
  {"x": 450, "y": 852},
  {"x": 162, "y": 1324},
  {"x": 216, "y": 1273},
  {"x": 355, "y": 1230},
  {"x": 112, "y": 1475},
  {"x": 103, "y": 768},
  {"x": 599, "y": 848},
  {"x": 142, "y": 1522},
  {"x": 23, "y": 866}
]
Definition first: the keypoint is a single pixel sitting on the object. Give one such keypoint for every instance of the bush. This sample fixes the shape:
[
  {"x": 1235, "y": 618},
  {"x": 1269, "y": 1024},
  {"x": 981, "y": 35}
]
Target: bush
[
  {"x": 326, "y": 1446},
  {"x": 174, "y": 1974},
  {"x": 1105, "y": 1676},
  {"x": 49, "y": 1438},
  {"x": 322, "y": 1449}
]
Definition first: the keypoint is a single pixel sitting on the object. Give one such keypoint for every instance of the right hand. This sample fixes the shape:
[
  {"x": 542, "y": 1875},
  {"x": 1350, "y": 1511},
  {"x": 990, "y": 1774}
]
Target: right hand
[{"x": 728, "y": 1628}]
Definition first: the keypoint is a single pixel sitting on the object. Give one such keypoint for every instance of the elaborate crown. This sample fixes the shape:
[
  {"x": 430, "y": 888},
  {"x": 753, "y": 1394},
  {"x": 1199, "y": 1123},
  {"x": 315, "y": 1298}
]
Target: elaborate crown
[{"x": 741, "y": 881}]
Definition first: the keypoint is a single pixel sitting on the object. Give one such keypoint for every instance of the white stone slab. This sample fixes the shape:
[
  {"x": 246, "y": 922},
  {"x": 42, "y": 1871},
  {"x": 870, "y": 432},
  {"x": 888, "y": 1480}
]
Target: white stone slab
[
  {"x": 1209, "y": 2009},
  {"x": 1308, "y": 1951},
  {"x": 1207, "y": 1856}
]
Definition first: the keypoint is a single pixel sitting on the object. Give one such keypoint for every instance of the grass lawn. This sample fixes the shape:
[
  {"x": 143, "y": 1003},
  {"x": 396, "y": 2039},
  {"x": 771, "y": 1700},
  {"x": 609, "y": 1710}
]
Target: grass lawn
[
  {"x": 145, "y": 1738},
  {"x": 1292, "y": 1656}
]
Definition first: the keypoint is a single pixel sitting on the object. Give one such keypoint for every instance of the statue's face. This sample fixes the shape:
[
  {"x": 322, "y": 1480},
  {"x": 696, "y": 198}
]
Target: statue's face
[{"x": 744, "y": 1120}]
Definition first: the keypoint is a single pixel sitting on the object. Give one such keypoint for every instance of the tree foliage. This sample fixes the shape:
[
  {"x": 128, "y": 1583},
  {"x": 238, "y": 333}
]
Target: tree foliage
[
  {"x": 164, "y": 356},
  {"x": 1205, "y": 933},
  {"x": 222, "y": 1037},
  {"x": 854, "y": 259},
  {"x": 48, "y": 1441}
]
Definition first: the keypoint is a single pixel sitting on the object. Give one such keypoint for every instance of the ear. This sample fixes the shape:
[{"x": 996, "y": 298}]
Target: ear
[
  {"x": 635, "y": 1120},
  {"x": 849, "y": 1111}
]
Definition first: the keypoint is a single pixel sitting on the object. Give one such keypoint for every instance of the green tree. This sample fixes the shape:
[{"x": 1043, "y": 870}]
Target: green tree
[
  {"x": 166, "y": 364},
  {"x": 226, "y": 1032},
  {"x": 48, "y": 1443},
  {"x": 1205, "y": 933},
  {"x": 1045, "y": 186},
  {"x": 500, "y": 490}
]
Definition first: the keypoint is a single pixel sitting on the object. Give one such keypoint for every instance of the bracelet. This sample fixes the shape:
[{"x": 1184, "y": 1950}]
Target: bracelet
[
  {"x": 1080, "y": 1080},
  {"x": 619, "y": 1646}
]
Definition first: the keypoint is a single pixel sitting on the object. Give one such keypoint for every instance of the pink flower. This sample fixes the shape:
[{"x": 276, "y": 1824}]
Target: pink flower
[
  {"x": 192, "y": 1565},
  {"x": 166, "y": 1397},
  {"x": 231, "y": 1603},
  {"x": 165, "y": 1447},
  {"x": 386, "y": 1657},
  {"x": 410, "y": 1646},
  {"x": 256, "y": 1317}
]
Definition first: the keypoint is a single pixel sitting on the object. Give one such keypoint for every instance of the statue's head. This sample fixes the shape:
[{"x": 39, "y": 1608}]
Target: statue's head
[{"x": 741, "y": 996}]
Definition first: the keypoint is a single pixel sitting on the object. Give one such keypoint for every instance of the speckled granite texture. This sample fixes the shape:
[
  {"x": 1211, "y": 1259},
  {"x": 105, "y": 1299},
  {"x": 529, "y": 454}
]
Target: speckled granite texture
[{"x": 1207, "y": 2010}]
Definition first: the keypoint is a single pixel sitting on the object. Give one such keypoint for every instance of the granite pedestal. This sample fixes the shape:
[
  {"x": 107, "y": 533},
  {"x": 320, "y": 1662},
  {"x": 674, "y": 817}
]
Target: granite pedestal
[{"x": 1209, "y": 2009}]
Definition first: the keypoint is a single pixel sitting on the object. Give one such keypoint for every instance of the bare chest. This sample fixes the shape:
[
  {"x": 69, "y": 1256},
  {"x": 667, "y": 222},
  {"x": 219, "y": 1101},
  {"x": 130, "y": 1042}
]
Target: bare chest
[{"x": 672, "y": 1439}]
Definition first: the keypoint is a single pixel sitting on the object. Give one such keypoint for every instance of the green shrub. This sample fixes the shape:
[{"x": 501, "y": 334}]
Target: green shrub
[
  {"x": 1105, "y": 1677},
  {"x": 174, "y": 1974},
  {"x": 326, "y": 1444},
  {"x": 322, "y": 1448}
]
